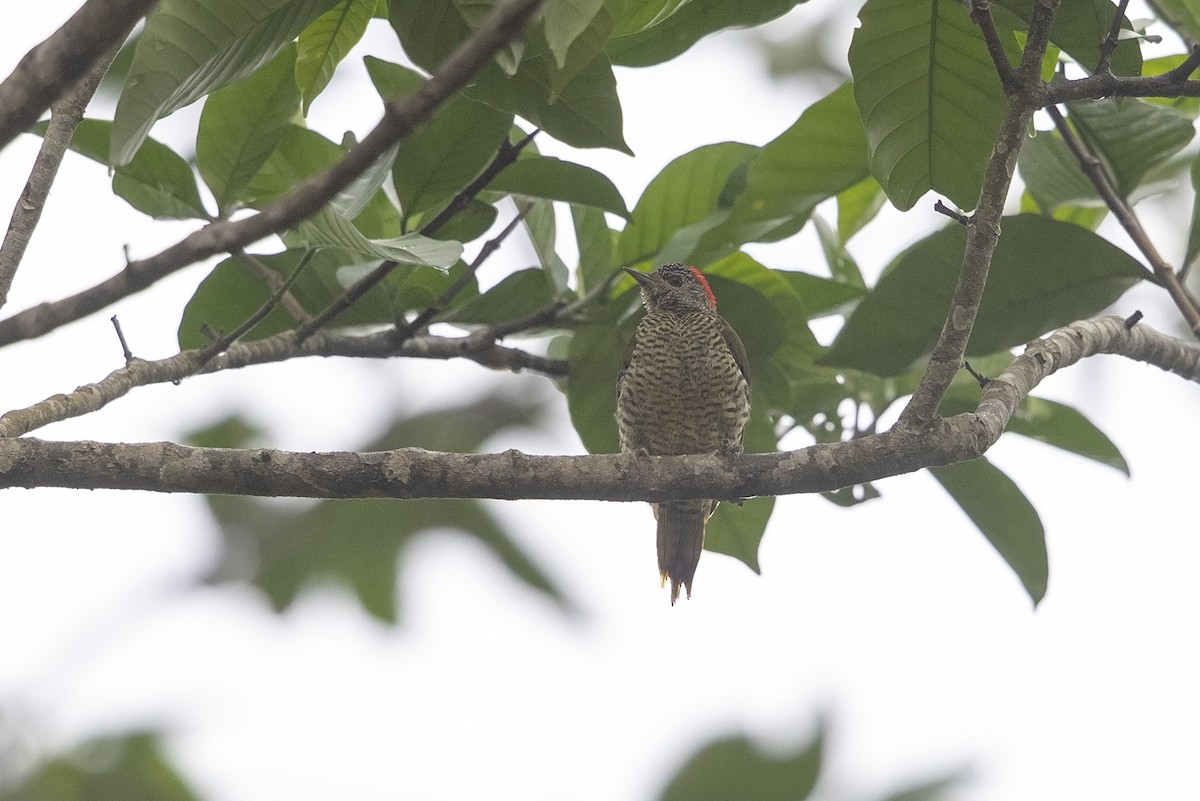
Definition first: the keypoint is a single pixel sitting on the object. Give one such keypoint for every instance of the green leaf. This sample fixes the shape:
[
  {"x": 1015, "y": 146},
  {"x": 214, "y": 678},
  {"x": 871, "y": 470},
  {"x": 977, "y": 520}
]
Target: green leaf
[
  {"x": 595, "y": 240},
  {"x": 1078, "y": 29},
  {"x": 1044, "y": 274},
  {"x": 1182, "y": 15},
  {"x": 1188, "y": 106},
  {"x": 329, "y": 229},
  {"x": 324, "y": 43},
  {"x": 360, "y": 542},
  {"x": 595, "y": 358},
  {"x": 540, "y": 223},
  {"x": 130, "y": 767},
  {"x": 552, "y": 179},
  {"x": 1193, "y": 242},
  {"x": 586, "y": 112},
  {"x": 676, "y": 26},
  {"x": 564, "y": 21},
  {"x": 857, "y": 206},
  {"x": 686, "y": 191},
  {"x": 821, "y": 296},
  {"x": 301, "y": 154},
  {"x": 573, "y": 52},
  {"x": 1005, "y": 516},
  {"x": 232, "y": 292},
  {"x": 929, "y": 97},
  {"x": 441, "y": 157},
  {"x": 428, "y": 29},
  {"x": 736, "y": 769},
  {"x": 1131, "y": 138},
  {"x": 242, "y": 124},
  {"x": 192, "y": 47},
  {"x": 516, "y": 296},
  {"x": 738, "y": 530},
  {"x": 157, "y": 180},
  {"x": 1049, "y": 422},
  {"x": 823, "y": 153},
  {"x": 1052, "y": 174}
]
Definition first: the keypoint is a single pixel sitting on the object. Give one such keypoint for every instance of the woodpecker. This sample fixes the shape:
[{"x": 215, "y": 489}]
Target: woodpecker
[{"x": 682, "y": 389}]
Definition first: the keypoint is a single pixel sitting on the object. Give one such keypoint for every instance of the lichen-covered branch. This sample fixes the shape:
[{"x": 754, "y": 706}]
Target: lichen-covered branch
[{"x": 416, "y": 473}]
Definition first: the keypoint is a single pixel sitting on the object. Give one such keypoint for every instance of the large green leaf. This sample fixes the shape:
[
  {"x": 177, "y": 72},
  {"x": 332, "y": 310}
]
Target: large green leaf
[
  {"x": 567, "y": 20},
  {"x": 1052, "y": 175},
  {"x": 684, "y": 194},
  {"x": 929, "y": 97},
  {"x": 574, "y": 48},
  {"x": 553, "y": 179},
  {"x": 737, "y": 530},
  {"x": 1130, "y": 137},
  {"x": 324, "y": 43},
  {"x": 823, "y": 153},
  {"x": 446, "y": 154},
  {"x": 1052, "y": 423},
  {"x": 156, "y": 181},
  {"x": 1005, "y": 516},
  {"x": 585, "y": 112},
  {"x": 595, "y": 357},
  {"x": 191, "y": 47},
  {"x": 232, "y": 292},
  {"x": 821, "y": 296},
  {"x": 329, "y": 229},
  {"x": 661, "y": 31},
  {"x": 1183, "y": 16},
  {"x": 360, "y": 542},
  {"x": 736, "y": 769},
  {"x": 242, "y": 124},
  {"x": 516, "y": 296},
  {"x": 1044, "y": 274},
  {"x": 595, "y": 241},
  {"x": 1078, "y": 29}
]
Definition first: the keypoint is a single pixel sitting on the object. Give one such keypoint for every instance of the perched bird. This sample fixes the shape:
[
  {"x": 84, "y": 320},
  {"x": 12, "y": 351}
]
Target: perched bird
[{"x": 682, "y": 389}]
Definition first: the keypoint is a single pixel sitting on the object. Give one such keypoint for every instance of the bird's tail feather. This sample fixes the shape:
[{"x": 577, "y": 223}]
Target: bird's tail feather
[{"x": 680, "y": 541}]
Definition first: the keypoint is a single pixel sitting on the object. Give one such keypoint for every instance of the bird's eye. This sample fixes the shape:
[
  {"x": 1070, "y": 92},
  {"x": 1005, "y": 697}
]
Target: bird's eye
[{"x": 674, "y": 279}]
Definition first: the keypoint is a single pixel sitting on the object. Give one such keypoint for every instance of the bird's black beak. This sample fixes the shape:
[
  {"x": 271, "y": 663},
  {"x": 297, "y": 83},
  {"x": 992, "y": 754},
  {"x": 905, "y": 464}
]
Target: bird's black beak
[{"x": 643, "y": 279}]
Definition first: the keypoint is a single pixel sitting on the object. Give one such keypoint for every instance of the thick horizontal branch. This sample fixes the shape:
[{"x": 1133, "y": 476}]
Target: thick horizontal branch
[
  {"x": 416, "y": 473},
  {"x": 51, "y": 68},
  {"x": 400, "y": 119}
]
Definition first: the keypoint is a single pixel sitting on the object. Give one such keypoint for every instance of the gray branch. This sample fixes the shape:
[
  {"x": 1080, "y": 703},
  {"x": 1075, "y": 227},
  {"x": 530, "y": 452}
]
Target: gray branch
[{"x": 416, "y": 473}]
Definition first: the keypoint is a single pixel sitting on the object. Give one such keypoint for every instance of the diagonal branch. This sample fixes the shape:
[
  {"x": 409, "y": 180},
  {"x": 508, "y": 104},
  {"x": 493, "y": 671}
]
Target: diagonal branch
[
  {"x": 506, "y": 21},
  {"x": 1024, "y": 97},
  {"x": 62, "y": 59},
  {"x": 1187, "y": 304},
  {"x": 417, "y": 473},
  {"x": 65, "y": 116}
]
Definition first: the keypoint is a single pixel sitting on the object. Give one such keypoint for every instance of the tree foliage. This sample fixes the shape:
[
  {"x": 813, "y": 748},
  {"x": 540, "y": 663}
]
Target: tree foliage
[{"x": 369, "y": 244}]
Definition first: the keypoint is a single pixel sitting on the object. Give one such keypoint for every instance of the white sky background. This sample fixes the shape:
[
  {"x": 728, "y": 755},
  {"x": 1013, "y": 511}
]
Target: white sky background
[{"x": 912, "y": 637}]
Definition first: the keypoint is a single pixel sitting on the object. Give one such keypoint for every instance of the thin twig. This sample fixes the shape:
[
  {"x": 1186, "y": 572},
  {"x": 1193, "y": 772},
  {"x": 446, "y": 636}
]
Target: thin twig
[
  {"x": 1109, "y": 45},
  {"x": 65, "y": 116},
  {"x": 1187, "y": 304},
  {"x": 274, "y": 282},
  {"x": 957, "y": 216},
  {"x": 401, "y": 117},
  {"x": 506, "y": 155},
  {"x": 981, "y": 14},
  {"x": 121, "y": 338}
]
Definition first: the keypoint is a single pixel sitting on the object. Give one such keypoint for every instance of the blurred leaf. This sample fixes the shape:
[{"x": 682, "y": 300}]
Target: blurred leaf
[
  {"x": 565, "y": 21},
  {"x": 441, "y": 157},
  {"x": 821, "y": 296},
  {"x": 542, "y": 226},
  {"x": 595, "y": 358},
  {"x": 157, "y": 180},
  {"x": 301, "y": 154},
  {"x": 1189, "y": 106},
  {"x": 736, "y": 769},
  {"x": 517, "y": 295},
  {"x": 679, "y": 25},
  {"x": 931, "y": 790},
  {"x": 853, "y": 495},
  {"x": 231, "y": 293},
  {"x": 192, "y": 47},
  {"x": 595, "y": 241},
  {"x": 1182, "y": 15},
  {"x": 324, "y": 43},
  {"x": 428, "y": 29},
  {"x": 1005, "y": 516},
  {"x": 475, "y": 220},
  {"x": 1131, "y": 138},
  {"x": 573, "y": 56},
  {"x": 841, "y": 263},
  {"x": 858, "y": 205},
  {"x": 329, "y": 229},
  {"x": 1044, "y": 274},
  {"x": 543, "y": 177},
  {"x": 738, "y": 530},
  {"x": 242, "y": 124},
  {"x": 1193, "y": 241},
  {"x": 929, "y": 97},
  {"x": 130, "y": 768},
  {"x": 1052, "y": 174},
  {"x": 1052, "y": 423},
  {"x": 1078, "y": 29},
  {"x": 686, "y": 192},
  {"x": 360, "y": 542}
]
